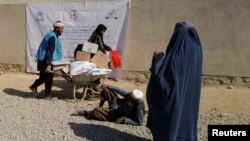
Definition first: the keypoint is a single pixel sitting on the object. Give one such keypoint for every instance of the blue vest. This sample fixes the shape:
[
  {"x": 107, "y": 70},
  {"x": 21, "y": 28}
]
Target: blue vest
[{"x": 57, "y": 54}]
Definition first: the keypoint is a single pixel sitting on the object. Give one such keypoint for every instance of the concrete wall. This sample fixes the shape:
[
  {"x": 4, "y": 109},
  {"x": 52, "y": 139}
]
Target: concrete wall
[
  {"x": 222, "y": 26},
  {"x": 12, "y": 35}
]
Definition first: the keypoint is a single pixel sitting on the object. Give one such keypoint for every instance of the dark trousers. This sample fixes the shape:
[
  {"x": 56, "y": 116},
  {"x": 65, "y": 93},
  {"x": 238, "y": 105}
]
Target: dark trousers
[{"x": 44, "y": 77}]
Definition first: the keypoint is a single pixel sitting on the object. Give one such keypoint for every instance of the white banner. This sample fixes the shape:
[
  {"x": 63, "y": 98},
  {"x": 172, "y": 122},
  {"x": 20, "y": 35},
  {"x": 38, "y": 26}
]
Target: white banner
[{"x": 80, "y": 19}]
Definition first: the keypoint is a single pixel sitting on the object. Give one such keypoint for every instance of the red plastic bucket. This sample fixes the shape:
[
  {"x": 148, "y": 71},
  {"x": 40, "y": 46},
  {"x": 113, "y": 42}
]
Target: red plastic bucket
[{"x": 116, "y": 58}]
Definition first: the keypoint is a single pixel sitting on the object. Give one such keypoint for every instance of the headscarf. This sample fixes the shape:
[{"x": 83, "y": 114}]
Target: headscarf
[
  {"x": 173, "y": 92},
  {"x": 99, "y": 28},
  {"x": 97, "y": 33}
]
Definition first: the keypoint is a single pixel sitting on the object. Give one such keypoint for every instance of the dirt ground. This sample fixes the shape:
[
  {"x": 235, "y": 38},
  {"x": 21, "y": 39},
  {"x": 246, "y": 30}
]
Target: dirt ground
[
  {"x": 225, "y": 100},
  {"x": 23, "y": 117},
  {"x": 231, "y": 100}
]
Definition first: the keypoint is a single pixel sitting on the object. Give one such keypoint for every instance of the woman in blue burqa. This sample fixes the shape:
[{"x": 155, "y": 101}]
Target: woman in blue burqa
[{"x": 173, "y": 92}]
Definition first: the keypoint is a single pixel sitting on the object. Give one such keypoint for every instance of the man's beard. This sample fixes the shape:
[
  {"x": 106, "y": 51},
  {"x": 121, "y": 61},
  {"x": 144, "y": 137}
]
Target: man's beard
[{"x": 58, "y": 33}]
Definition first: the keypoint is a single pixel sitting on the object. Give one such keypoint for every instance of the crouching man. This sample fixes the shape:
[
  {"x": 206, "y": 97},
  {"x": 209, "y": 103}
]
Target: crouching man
[{"x": 128, "y": 108}]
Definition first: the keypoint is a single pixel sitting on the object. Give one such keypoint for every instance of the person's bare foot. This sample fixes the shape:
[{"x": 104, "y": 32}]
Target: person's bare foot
[{"x": 81, "y": 113}]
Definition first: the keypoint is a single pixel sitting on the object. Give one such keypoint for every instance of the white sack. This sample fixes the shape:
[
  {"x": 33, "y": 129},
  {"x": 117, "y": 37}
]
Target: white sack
[{"x": 81, "y": 67}]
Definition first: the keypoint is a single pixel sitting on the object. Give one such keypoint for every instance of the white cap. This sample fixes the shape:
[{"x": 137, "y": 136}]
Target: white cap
[
  {"x": 137, "y": 95},
  {"x": 58, "y": 24}
]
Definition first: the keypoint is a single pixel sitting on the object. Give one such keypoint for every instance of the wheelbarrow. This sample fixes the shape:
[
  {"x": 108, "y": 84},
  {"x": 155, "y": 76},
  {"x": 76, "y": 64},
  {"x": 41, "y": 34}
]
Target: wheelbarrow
[{"x": 84, "y": 82}]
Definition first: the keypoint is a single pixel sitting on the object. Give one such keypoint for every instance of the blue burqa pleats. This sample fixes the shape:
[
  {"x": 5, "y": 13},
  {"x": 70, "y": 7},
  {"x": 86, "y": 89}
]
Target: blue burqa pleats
[{"x": 173, "y": 92}]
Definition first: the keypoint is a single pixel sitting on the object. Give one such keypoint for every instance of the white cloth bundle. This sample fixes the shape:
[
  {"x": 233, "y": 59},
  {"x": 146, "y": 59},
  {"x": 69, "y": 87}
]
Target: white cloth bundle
[{"x": 81, "y": 67}]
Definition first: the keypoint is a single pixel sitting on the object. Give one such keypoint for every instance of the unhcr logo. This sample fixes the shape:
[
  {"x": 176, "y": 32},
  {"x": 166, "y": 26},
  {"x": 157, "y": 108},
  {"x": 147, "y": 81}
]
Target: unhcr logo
[
  {"x": 73, "y": 14},
  {"x": 40, "y": 16},
  {"x": 112, "y": 14}
]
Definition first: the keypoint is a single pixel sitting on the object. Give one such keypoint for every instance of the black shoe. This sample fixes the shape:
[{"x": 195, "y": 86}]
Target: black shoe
[
  {"x": 40, "y": 96},
  {"x": 34, "y": 90},
  {"x": 47, "y": 97},
  {"x": 43, "y": 96}
]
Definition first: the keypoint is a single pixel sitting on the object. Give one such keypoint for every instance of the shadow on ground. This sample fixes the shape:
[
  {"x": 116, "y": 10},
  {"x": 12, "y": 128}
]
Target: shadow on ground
[
  {"x": 14, "y": 92},
  {"x": 102, "y": 133},
  {"x": 65, "y": 92}
]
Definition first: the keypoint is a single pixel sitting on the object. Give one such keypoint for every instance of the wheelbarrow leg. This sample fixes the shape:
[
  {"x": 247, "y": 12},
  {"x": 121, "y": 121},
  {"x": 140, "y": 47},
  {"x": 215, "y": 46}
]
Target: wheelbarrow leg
[
  {"x": 85, "y": 90},
  {"x": 75, "y": 92}
]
